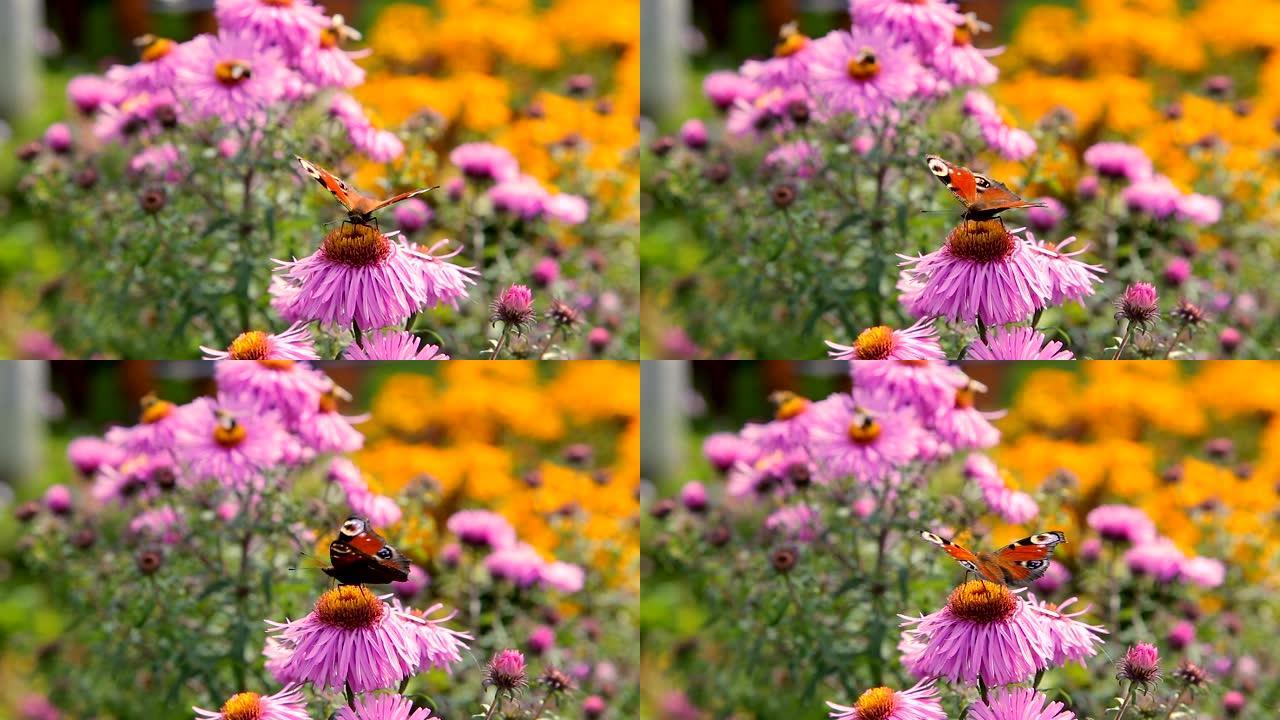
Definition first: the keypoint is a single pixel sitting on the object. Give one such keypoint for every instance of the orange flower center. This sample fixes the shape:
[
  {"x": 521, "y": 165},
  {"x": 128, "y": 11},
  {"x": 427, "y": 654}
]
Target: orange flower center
[
  {"x": 251, "y": 345},
  {"x": 790, "y": 45},
  {"x": 790, "y": 406},
  {"x": 864, "y": 429},
  {"x": 356, "y": 245},
  {"x": 350, "y": 607},
  {"x": 229, "y": 433},
  {"x": 877, "y": 703},
  {"x": 982, "y": 602},
  {"x": 243, "y": 706},
  {"x": 965, "y": 397},
  {"x": 279, "y": 365},
  {"x": 329, "y": 402},
  {"x": 874, "y": 343},
  {"x": 981, "y": 241},
  {"x": 963, "y": 36},
  {"x": 278, "y": 3},
  {"x": 154, "y": 409},
  {"x": 232, "y": 72},
  {"x": 157, "y": 49},
  {"x": 865, "y": 65},
  {"x": 330, "y": 37}
]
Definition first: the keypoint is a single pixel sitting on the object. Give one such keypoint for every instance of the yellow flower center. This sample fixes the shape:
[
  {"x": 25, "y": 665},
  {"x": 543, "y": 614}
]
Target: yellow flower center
[
  {"x": 228, "y": 432},
  {"x": 982, "y": 602},
  {"x": 279, "y": 365},
  {"x": 877, "y": 703},
  {"x": 790, "y": 45},
  {"x": 963, "y": 36},
  {"x": 864, "y": 429},
  {"x": 790, "y": 405},
  {"x": 965, "y": 397},
  {"x": 278, "y": 3},
  {"x": 242, "y": 706},
  {"x": 356, "y": 245},
  {"x": 157, "y": 49},
  {"x": 350, "y": 607},
  {"x": 874, "y": 343},
  {"x": 865, "y": 65},
  {"x": 154, "y": 409},
  {"x": 232, "y": 72},
  {"x": 330, "y": 37},
  {"x": 251, "y": 345},
  {"x": 981, "y": 240},
  {"x": 329, "y": 402}
]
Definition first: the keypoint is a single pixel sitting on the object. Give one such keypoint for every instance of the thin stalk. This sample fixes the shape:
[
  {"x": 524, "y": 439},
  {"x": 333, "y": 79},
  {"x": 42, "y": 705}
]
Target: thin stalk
[
  {"x": 497, "y": 698},
  {"x": 1128, "y": 700},
  {"x": 502, "y": 340},
  {"x": 1177, "y": 700},
  {"x": 1128, "y": 334}
]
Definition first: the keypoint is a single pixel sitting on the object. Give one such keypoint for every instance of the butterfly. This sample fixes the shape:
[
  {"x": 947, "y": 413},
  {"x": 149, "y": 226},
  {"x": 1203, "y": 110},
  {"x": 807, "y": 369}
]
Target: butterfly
[
  {"x": 360, "y": 208},
  {"x": 982, "y": 197},
  {"x": 1018, "y": 563},
  {"x": 361, "y": 556}
]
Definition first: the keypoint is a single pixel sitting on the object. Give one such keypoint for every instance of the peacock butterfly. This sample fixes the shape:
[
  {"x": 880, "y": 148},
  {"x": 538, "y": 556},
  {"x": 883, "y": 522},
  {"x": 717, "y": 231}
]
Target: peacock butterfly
[
  {"x": 361, "y": 556},
  {"x": 981, "y": 196},
  {"x": 360, "y": 208},
  {"x": 1018, "y": 563}
]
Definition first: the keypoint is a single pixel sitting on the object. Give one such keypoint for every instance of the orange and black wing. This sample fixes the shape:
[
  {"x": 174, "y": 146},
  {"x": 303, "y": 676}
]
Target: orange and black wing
[
  {"x": 967, "y": 559},
  {"x": 349, "y": 198},
  {"x": 1026, "y": 560}
]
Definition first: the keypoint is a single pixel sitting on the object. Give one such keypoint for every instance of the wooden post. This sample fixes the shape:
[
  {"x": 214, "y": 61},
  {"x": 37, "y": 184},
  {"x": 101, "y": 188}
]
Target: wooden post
[
  {"x": 664, "y": 390},
  {"x": 663, "y": 65},
  {"x": 23, "y": 386},
  {"x": 20, "y": 24}
]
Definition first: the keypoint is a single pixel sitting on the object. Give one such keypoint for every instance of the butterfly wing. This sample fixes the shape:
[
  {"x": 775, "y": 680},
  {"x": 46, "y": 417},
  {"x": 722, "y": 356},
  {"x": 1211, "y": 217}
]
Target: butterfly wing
[
  {"x": 994, "y": 198},
  {"x": 967, "y": 559},
  {"x": 1024, "y": 561},
  {"x": 959, "y": 180},
  {"x": 393, "y": 200},
  {"x": 365, "y": 557},
  {"x": 348, "y": 197}
]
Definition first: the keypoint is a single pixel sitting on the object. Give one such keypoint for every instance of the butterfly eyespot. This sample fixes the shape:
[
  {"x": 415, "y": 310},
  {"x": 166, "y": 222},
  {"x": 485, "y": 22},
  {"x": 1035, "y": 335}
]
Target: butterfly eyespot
[
  {"x": 981, "y": 182},
  {"x": 352, "y": 527},
  {"x": 968, "y": 565},
  {"x": 1034, "y": 564},
  {"x": 937, "y": 167},
  {"x": 932, "y": 538},
  {"x": 1045, "y": 538},
  {"x": 385, "y": 553}
]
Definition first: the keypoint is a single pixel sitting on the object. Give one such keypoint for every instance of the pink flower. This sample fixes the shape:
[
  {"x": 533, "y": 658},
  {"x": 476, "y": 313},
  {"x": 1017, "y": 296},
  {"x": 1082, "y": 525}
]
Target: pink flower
[
  {"x": 567, "y": 209},
  {"x": 392, "y": 345},
  {"x": 379, "y": 145},
  {"x": 1053, "y": 580},
  {"x": 545, "y": 272},
  {"x": 1156, "y": 196},
  {"x": 58, "y": 499},
  {"x": 522, "y": 196},
  {"x": 1204, "y": 572},
  {"x": 57, "y": 137},
  {"x": 1072, "y": 640},
  {"x": 1069, "y": 279},
  {"x": 506, "y": 671},
  {"x": 230, "y": 77},
  {"x": 485, "y": 161},
  {"x": 90, "y": 92},
  {"x": 351, "y": 638},
  {"x": 292, "y": 389},
  {"x": 1141, "y": 665},
  {"x": 1199, "y": 209},
  {"x": 1017, "y": 343},
  {"x": 983, "y": 272},
  {"x": 928, "y": 386},
  {"x": 417, "y": 582},
  {"x": 1010, "y": 142},
  {"x": 1121, "y": 523},
  {"x": 862, "y": 71},
  {"x": 1182, "y": 634},
  {"x": 542, "y": 639},
  {"x": 89, "y": 453},
  {"x": 519, "y": 564},
  {"x": 1118, "y": 161},
  {"x": 224, "y": 443},
  {"x": 865, "y": 439},
  {"x": 441, "y": 647},
  {"x": 1140, "y": 304},
  {"x": 1019, "y": 704},
  {"x": 1044, "y": 219},
  {"x": 1177, "y": 270},
  {"x": 964, "y": 426},
  {"x": 412, "y": 215},
  {"x": 1159, "y": 558},
  {"x": 326, "y": 430},
  {"x": 797, "y": 158},
  {"x": 323, "y": 62},
  {"x": 293, "y": 24},
  {"x": 926, "y": 23},
  {"x": 482, "y": 528},
  {"x": 693, "y": 133},
  {"x": 694, "y": 497},
  {"x": 563, "y": 576},
  {"x": 795, "y": 523},
  {"x": 961, "y": 64},
  {"x": 918, "y": 342},
  {"x": 383, "y": 707},
  {"x": 723, "y": 449},
  {"x": 163, "y": 523},
  {"x": 288, "y": 704},
  {"x": 984, "y": 631},
  {"x": 443, "y": 283},
  {"x": 295, "y": 343},
  {"x": 883, "y": 703},
  {"x": 725, "y": 87}
]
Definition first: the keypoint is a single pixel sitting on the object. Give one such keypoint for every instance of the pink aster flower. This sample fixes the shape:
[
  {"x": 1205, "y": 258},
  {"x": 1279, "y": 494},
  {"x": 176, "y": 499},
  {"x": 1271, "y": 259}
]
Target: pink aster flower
[
  {"x": 351, "y": 638},
  {"x": 1069, "y": 279},
  {"x": 227, "y": 443},
  {"x": 1140, "y": 665},
  {"x": 567, "y": 209},
  {"x": 1013, "y": 506},
  {"x": 292, "y": 24},
  {"x": 725, "y": 87},
  {"x": 295, "y": 343},
  {"x": 789, "y": 65},
  {"x": 964, "y": 426},
  {"x": 522, "y": 196},
  {"x": 866, "y": 438},
  {"x": 1158, "y": 558},
  {"x": 328, "y": 431},
  {"x": 1156, "y": 196},
  {"x": 862, "y": 71},
  {"x": 1072, "y": 640},
  {"x": 289, "y": 388},
  {"x": 1017, "y": 343},
  {"x": 141, "y": 477},
  {"x": 1118, "y": 161},
  {"x": 519, "y": 564},
  {"x": 798, "y": 158},
  {"x": 1177, "y": 270},
  {"x": 770, "y": 110},
  {"x": 443, "y": 283},
  {"x": 926, "y": 23},
  {"x": 163, "y": 523},
  {"x": 958, "y": 62},
  {"x": 1199, "y": 209},
  {"x": 417, "y": 582},
  {"x": 983, "y": 272},
  {"x": 157, "y": 66},
  {"x": 482, "y": 528},
  {"x": 89, "y": 453},
  {"x": 1044, "y": 219},
  {"x": 288, "y": 704},
  {"x": 90, "y": 92},
  {"x": 392, "y": 345},
  {"x": 926, "y": 385},
  {"x": 485, "y": 161},
  {"x": 1140, "y": 304},
  {"x": 693, "y": 133},
  {"x": 723, "y": 449},
  {"x": 1019, "y": 704},
  {"x": 377, "y": 509},
  {"x": 1121, "y": 523},
  {"x": 163, "y": 160},
  {"x": 412, "y": 215},
  {"x": 441, "y": 647},
  {"x": 1204, "y": 572},
  {"x": 323, "y": 62},
  {"x": 984, "y": 631},
  {"x": 377, "y": 144},
  {"x": 1054, "y": 579},
  {"x": 884, "y": 703},
  {"x": 563, "y": 576},
  {"x": 795, "y": 523},
  {"x": 1012, "y": 143},
  {"x": 357, "y": 276},
  {"x": 228, "y": 76},
  {"x": 918, "y": 342},
  {"x": 383, "y": 707}
]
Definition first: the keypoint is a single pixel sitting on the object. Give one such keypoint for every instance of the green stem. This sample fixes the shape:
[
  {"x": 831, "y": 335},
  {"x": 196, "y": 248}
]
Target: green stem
[
  {"x": 1128, "y": 700},
  {"x": 1128, "y": 333},
  {"x": 502, "y": 340},
  {"x": 1039, "y": 676},
  {"x": 547, "y": 345},
  {"x": 497, "y": 697},
  {"x": 1177, "y": 700}
]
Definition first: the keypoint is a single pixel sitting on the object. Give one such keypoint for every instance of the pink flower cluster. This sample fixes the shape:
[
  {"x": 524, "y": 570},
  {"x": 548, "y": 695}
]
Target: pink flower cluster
[
  {"x": 1149, "y": 553},
  {"x": 1148, "y": 193},
  {"x": 509, "y": 559}
]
